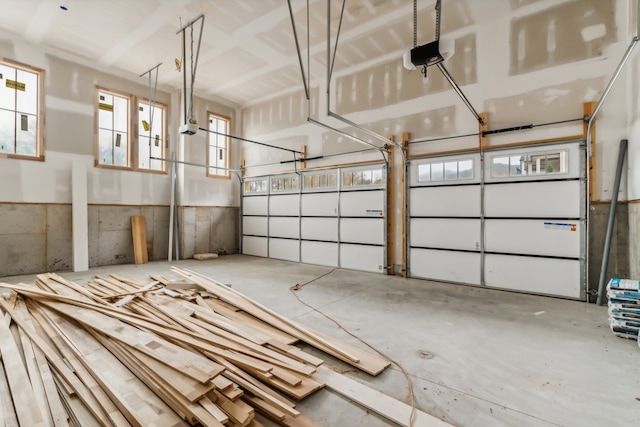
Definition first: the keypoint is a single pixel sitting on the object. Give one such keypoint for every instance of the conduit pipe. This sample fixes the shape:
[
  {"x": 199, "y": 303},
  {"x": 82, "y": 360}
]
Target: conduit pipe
[{"x": 611, "y": 222}]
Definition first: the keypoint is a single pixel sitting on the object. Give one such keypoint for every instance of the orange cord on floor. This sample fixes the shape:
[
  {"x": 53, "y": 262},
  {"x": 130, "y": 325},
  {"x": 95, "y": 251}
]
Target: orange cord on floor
[{"x": 298, "y": 287}]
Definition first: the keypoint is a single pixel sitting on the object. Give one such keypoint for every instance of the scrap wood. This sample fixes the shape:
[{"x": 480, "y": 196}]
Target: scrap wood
[
  {"x": 233, "y": 357},
  {"x": 349, "y": 354}
]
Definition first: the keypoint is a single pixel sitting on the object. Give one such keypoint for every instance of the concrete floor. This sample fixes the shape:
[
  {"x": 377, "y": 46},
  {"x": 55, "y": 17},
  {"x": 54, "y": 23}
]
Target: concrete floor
[{"x": 499, "y": 358}]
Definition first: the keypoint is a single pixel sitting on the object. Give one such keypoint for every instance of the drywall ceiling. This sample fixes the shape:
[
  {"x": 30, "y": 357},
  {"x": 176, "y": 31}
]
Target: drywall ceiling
[{"x": 248, "y": 53}]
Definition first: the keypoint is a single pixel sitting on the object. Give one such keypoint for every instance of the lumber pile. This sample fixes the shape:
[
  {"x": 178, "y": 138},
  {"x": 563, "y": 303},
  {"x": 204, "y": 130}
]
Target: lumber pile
[{"x": 174, "y": 352}]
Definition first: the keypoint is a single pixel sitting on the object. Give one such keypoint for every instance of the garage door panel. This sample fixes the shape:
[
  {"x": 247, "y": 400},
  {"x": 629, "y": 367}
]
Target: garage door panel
[
  {"x": 288, "y": 205},
  {"x": 362, "y": 230},
  {"x": 456, "y": 201},
  {"x": 534, "y": 237},
  {"x": 532, "y": 274},
  {"x": 254, "y": 246},
  {"x": 320, "y": 229},
  {"x": 284, "y": 227},
  {"x": 449, "y": 266},
  {"x": 447, "y": 233},
  {"x": 320, "y": 204},
  {"x": 255, "y": 205},
  {"x": 362, "y": 257},
  {"x": 320, "y": 253},
  {"x": 284, "y": 249},
  {"x": 362, "y": 203},
  {"x": 555, "y": 199},
  {"x": 256, "y": 225}
]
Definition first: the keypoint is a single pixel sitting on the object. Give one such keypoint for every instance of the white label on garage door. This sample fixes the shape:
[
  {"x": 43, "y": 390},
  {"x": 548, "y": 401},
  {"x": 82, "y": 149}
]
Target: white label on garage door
[
  {"x": 374, "y": 212},
  {"x": 562, "y": 226}
]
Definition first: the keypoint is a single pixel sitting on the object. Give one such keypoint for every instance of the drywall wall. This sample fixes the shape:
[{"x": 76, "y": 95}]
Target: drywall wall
[
  {"x": 522, "y": 62},
  {"x": 196, "y": 188},
  {"x": 35, "y": 197}
]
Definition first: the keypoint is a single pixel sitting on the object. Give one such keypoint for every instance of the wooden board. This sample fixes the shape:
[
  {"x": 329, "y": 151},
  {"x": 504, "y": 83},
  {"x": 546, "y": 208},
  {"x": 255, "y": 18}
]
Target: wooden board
[
  {"x": 139, "y": 234},
  {"x": 378, "y": 402}
]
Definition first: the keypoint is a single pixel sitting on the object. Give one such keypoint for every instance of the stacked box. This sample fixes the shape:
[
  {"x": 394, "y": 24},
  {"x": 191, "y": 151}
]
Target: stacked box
[{"x": 624, "y": 307}]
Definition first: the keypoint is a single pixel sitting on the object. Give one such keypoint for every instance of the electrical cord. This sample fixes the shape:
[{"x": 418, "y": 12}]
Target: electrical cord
[{"x": 298, "y": 287}]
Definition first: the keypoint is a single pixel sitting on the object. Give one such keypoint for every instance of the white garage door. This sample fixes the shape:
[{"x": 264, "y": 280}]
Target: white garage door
[
  {"x": 333, "y": 217},
  {"x": 521, "y": 226}
]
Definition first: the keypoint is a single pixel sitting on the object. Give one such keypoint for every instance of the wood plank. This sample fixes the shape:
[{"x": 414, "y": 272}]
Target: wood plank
[
  {"x": 140, "y": 405},
  {"x": 193, "y": 413},
  {"x": 34, "y": 375},
  {"x": 85, "y": 386},
  {"x": 8, "y": 411},
  {"x": 349, "y": 354},
  {"x": 139, "y": 234},
  {"x": 380, "y": 403},
  {"x": 262, "y": 312},
  {"x": 18, "y": 380}
]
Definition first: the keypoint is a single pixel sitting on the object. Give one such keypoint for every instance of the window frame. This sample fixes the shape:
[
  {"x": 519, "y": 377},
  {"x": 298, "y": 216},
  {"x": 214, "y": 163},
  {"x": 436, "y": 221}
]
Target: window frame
[
  {"x": 227, "y": 174},
  {"x": 164, "y": 140},
  {"x": 40, "y": 129},
  {"x": 130, "y": 128},
  {"x": 133, "y": 132}
]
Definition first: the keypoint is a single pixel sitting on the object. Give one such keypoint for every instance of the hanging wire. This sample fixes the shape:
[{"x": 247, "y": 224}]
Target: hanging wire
[{"x": 335, "y": 49}]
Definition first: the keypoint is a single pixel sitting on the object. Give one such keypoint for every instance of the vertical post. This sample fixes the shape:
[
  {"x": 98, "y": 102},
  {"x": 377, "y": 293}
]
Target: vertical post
[
  {"x": 483, "y": 143},
  {"x": 587, "y": 111},
  {"x": 172, "y": 204},
  {"x": 483, "y": 127},
  {"x": 303, "y": 157},
  {"x": 404, "y": 195},
  {"x": 80, "y": 215},
  {"x": 390, "y": 212}
]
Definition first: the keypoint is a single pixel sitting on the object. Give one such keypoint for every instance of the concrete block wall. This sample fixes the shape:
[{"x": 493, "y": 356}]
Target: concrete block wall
[
  {"x": 110, "y": 240},
  {"x": 208, "y": 229},
  {"x": 35, "y": 238}
]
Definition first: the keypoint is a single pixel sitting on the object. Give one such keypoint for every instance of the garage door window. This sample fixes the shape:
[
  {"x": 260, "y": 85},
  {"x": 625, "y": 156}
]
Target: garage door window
[
  {"x": 526, "y": 164},
  {"x": 284, "y": 183},
  {"x": 362, "y": 178},
  {"x": 320, "y": 181},
  {"x": 454, "y": 170},
  {"x": 255, "y": 186}
]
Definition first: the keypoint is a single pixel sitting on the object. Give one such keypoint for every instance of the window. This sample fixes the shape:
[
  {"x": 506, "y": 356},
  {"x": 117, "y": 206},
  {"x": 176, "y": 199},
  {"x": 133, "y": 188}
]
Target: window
[
  {"x": 545, "y": 163},
  {"x": 218, "y": 146},
  {"x": 287, "y": 183},
  {"x": 151, "y": 136},
  {"x": 21, "y": 111},
  {"x": 255, "y": 186},
  {"x": 452, "y": 170},
  {"x": 130, "y": 138},
  {"x": 113, "y": 129},
  {"x": 361, "y": 177},
  {"x": 320, "y": 180}
]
